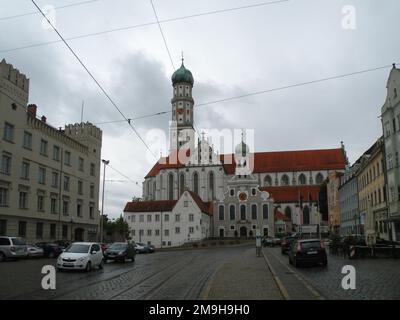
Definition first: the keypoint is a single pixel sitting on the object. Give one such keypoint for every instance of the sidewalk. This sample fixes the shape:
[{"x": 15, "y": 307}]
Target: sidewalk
[{"x": 244, "y": 277}]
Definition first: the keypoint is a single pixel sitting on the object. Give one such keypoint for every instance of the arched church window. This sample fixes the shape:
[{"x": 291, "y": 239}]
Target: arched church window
[
  {"x": 302, "y": 179},
  {"x": 211, "y": 185},
  {"x": 267, "y": 181},
  {"x": 232, "y": 212},
  {"x": 196, "y": 183},
  {"x": 181, "y": 184},
  {"x": 319, "y": 179},
  {"x": 170, "y": 186},
  {"x": 306, "y": 215},
  {"x": 285, "y": 180},
  {"x": 288, "y": 213}
]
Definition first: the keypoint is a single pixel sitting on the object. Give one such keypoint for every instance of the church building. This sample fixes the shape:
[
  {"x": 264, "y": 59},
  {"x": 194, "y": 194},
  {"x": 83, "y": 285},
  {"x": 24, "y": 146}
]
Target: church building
[{"x": 232, "y": 195}]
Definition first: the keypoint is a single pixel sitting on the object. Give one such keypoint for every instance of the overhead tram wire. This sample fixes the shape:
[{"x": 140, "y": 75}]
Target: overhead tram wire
[
  {"x": 95, "y": 80},
  {"x": 145, "y": 25},
  {"x": 56, "y": 8}
]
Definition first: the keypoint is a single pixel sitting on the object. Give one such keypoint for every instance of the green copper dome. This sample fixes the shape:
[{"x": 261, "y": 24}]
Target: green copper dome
[
  {"x": 242, "y": 149},
  {"x": 182, "y": 75}
]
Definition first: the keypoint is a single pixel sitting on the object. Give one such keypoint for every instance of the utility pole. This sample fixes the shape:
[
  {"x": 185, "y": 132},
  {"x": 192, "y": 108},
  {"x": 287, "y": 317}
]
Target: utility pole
[{"x": 105, "y": 162}]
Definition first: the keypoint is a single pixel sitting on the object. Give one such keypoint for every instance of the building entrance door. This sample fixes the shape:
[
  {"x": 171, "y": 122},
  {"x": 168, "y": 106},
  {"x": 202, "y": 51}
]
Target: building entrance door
[{"x": 243, "y": 231}]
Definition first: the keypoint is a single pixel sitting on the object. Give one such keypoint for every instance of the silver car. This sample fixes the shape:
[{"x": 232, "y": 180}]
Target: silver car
[
  {"x": 12, "y": 247},
  {"x": 34, "y": 251}
]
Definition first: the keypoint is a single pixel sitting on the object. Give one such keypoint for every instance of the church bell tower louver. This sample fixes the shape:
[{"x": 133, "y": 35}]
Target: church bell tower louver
[{"x": 181, "y": 128}]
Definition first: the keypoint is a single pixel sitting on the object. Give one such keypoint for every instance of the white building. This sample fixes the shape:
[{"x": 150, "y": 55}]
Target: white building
[
  {"x": 243, "y": 187},
  {"x": 390, "y": 115},
  {"x": 49, "y": 177}
]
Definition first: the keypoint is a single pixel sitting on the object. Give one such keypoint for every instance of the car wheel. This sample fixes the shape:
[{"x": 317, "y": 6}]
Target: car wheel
[
  {"x": 2, "y": 257},
  {"x": 88, "y": 266},
  {"x": 101, "y": 265}
]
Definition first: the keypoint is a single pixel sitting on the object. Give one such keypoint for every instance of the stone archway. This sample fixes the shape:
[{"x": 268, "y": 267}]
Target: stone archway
[{"x": 243, "y": 231}]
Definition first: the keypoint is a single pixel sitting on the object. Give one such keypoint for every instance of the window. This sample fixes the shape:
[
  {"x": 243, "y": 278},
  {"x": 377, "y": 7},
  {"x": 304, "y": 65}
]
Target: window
[
  {"x": 3, "y": 227},
  {"x": 66, "y": 183},
  {"x": 170, "y": 187},
  {"x": 232, "y": 192},
  {"x": 141, "y": 232},
  {"x": 302, "y": 179},
  {"x": 186, "y": 204},
  {"x": 196, "y": 183},
  {"x": 191, "y": 217},
  {"x": 267, "y": 181},
  {"x": 181, "y": 183},
  {"x": 149, "y": 233},
  {"x": 42, "y": 175},
  {"x": 191, "y": 230},
  {"x": 91, "y": 212},
  {"x": 166, "y": 233},
  {"x": 22, "y": 229},
  {"x": 148, "y": 218},
  {"x": 288, "y": 213},
  {"x": 54, "y": 179},
  {"x": 67, "y": 158},
  {"x": 52, "y": 231},
  {"x": 133, "y": 233},
  {"x": 80, "y": 187},
  {"x": 157, "y": 232},
  {"x": 92, "y": 191},
  {"x": 40, "y": 203},
  {"x": 285, "y": 180},
  {"x": 254, "y": 212},
  {"x": 64, "y": 231},
  {"x": 8, "y": 133},
  {"x": 3, "y": 197},
  {"x": 232, "y": 227},
  {"x": 141, "y": 218},
  {"x": 221, "y": 213},
  {"x": 177, "y": 217},
  {"x": 56, "y": 153},
  {"x": 387, "y": 129},
  {"x": 319, "y": 179},
  {"x": 39, "y": 230},
  {"x": 79, "y": 210},
  {"x": 265, "y": 211},
  {"x": 25, "y": 170},
  {"x": 177, "y": 230},
  {"x": 54, "y": 205},
  {"x": 92, "y": 169},
  {"x": 157, "y": 217},
  {"x": 27, "y": 142},
  {"x": 211, "y": 185},
  {"x": 81, "y": 164},
  {"x": 23, "y": 200},
  {"x": 232, "y": 213},
  {"x": 6, "y": 163},
  {"x": 65, "y": 208},
  {"x": 243, "y": 212},
  {"x": 166, "y": 217},
  {"x": 43, "y": 147}
]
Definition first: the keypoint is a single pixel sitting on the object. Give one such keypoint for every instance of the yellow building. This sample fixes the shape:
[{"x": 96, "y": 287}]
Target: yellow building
[{"x": 372, "y": 191}]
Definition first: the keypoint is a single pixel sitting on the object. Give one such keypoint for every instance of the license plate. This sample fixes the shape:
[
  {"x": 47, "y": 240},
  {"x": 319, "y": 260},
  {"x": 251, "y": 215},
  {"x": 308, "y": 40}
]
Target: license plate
[
  {"x": 312, "y": 252},
  {"x": 68, "y": 264}
]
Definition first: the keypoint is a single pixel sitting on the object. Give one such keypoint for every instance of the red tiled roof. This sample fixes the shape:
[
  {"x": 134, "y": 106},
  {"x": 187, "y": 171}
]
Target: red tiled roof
[
  {"x": 205, "y": 207},
  {"x": 170, "y": 162},
  {"x": 281, "y": 161},
  {"x": 293, "y": 193},
  {"x": 150, "y": 206}
]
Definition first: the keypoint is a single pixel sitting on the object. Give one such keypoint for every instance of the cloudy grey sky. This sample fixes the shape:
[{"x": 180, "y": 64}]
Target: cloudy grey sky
[{"x": 229, "y": 53}]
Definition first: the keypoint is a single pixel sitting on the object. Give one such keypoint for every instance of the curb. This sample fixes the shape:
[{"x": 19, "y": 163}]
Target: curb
[{"x": 281, "y": 287}]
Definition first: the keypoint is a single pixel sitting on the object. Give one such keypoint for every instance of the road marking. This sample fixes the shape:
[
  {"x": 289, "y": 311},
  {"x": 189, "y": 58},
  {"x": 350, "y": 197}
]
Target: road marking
[
  {"x": 207, "y": 290},
  {"x": 318, "y": 295},
  {"x": 278, "y": 281}
]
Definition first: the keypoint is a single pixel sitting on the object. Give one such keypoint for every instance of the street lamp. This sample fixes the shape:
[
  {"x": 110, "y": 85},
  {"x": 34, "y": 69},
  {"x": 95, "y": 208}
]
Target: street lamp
[{"x": 105, "y": 162}]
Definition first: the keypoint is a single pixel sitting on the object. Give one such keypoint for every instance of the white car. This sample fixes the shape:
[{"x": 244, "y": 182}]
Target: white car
[{"x": 81, "y": 256}]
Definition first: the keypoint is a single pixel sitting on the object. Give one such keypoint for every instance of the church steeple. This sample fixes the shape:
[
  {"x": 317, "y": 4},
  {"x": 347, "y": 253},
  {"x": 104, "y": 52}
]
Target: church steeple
[{"x": 182, "y": 102}]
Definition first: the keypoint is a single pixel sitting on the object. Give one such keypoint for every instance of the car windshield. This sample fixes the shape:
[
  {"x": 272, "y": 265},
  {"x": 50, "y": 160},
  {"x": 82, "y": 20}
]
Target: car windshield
[
  {"x": 311, "y": 245},
  {"x": 18, "y": 241},
  {"x": 117, "y": 246},
  {"x": 78, "y": 248}
]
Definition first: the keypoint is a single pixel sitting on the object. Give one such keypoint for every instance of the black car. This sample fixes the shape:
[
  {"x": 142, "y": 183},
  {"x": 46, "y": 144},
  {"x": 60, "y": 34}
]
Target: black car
[
  {"x": 50, "y": 249},
  {"x": 286, "y": 242},
  {"x": 63, "y": 243},
  {"x": 307, "y": 251},
  {"x": 120, "y": 251}
]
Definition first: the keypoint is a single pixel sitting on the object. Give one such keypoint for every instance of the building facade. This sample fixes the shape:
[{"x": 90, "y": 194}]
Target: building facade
[
  {"x": 49, "y": 178},
  {"x": 390, "y": 116},
  {"x": 333, "y": 201}
]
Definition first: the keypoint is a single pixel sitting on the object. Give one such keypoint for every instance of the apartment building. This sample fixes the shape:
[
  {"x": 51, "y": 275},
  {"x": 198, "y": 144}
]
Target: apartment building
[{"x": 49, "y": 177}]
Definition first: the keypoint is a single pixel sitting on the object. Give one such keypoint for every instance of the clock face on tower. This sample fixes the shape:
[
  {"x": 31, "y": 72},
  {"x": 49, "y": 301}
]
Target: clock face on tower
[{"x": 242, "y": 196}]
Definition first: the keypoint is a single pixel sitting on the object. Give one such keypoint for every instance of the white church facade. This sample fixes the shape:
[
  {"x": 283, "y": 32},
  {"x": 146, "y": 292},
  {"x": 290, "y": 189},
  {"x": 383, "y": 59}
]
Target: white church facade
[{"x": 241, "y": 191}]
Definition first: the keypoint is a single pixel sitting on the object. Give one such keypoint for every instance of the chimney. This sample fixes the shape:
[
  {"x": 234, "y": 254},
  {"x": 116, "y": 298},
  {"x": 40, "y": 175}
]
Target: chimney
[
  {"x": 43, "y": 119},
  {"x": 32, "y": 108}
]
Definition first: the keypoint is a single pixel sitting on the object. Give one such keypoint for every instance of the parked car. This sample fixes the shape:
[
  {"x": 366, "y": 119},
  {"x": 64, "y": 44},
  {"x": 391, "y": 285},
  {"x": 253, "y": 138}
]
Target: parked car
[
  {"x": 307, "y": 251},
  {"x": 385, "y": 243},
  {"x": 50, "y": 249},
  {"x": 120, "y": 251},
  {"x": 142, "y": 248},
  {"x": 63, "y": 243},
  {"x": 34, "y": 251},
  {"x": 81, "y": 256},
  {"x": 104, "y": 246},
  {"x": 12, "y": 248},
  {"x": 271, "y": 242},
  {"x": 286, "y": 242},
  {"x": 152, "y": 248}
]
